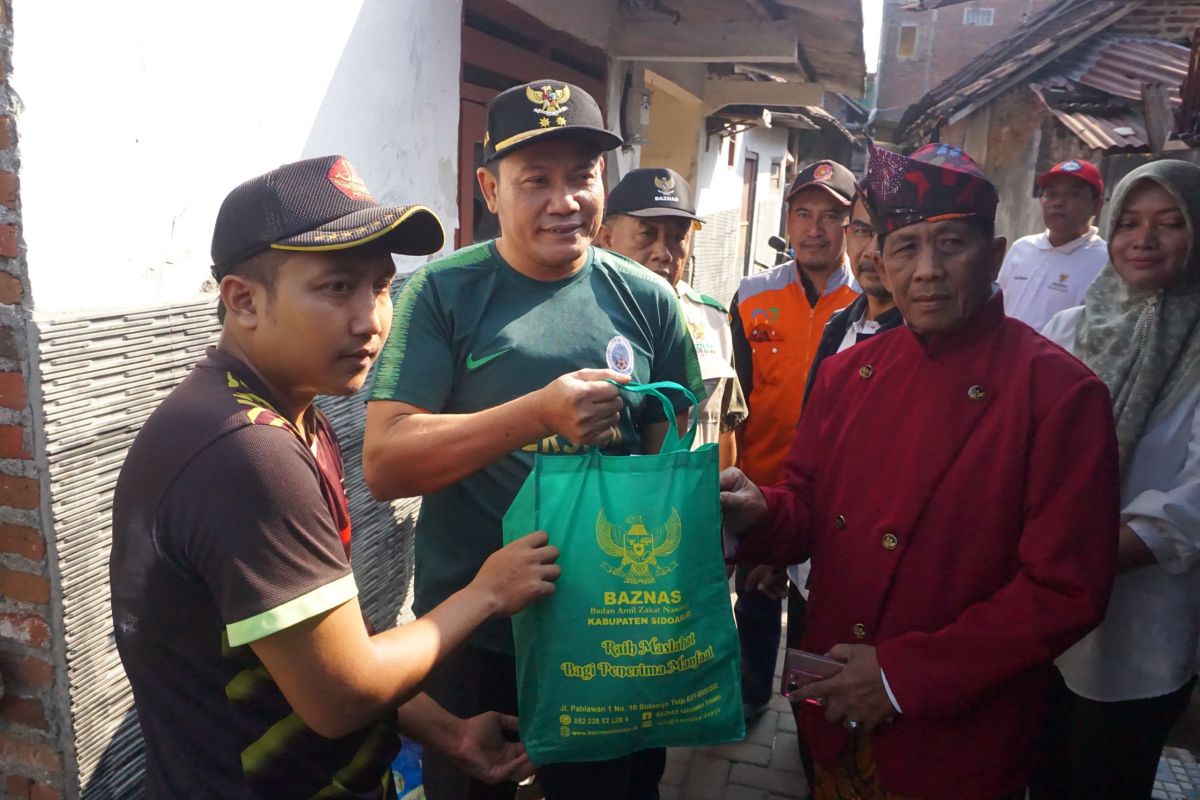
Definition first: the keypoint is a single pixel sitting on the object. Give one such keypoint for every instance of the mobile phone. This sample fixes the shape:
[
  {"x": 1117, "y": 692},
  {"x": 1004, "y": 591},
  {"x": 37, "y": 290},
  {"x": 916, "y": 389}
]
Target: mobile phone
[{"x": 801, "y": 668}]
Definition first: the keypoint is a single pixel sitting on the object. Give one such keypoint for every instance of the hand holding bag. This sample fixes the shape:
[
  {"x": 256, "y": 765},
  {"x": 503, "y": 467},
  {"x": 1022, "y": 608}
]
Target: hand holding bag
[{"x": 636, "y": 648}]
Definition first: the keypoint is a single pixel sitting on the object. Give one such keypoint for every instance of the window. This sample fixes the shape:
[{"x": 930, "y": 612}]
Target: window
[
  {"x": 906, "y": 47},
  {"x": 979, "y": 16}
]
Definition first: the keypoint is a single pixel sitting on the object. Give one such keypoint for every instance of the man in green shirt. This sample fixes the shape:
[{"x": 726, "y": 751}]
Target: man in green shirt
[{"x": 504, "y": 350}]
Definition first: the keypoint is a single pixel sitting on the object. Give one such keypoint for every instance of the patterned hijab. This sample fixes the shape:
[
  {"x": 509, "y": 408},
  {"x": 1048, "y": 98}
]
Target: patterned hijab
[{"x": 1145, "y": 344}]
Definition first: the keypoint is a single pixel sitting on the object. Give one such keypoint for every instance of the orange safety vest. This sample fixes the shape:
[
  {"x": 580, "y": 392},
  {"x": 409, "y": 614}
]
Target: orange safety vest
[{"x": 783, "y": 331}]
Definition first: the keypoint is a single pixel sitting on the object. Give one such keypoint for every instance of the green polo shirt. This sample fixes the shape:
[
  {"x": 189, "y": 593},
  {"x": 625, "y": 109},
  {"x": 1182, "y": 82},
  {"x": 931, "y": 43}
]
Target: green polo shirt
[{"x": 469, "y": 333}]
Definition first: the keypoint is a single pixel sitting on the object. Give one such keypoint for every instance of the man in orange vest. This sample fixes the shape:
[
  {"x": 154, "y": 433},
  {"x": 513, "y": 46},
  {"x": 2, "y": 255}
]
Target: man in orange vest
[{"x": 777, "y": 319}]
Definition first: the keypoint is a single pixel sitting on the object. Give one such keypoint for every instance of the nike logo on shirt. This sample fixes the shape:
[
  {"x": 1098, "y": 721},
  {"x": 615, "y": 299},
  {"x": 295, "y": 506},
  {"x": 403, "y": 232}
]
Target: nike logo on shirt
[{"x": 476, "y": 363}]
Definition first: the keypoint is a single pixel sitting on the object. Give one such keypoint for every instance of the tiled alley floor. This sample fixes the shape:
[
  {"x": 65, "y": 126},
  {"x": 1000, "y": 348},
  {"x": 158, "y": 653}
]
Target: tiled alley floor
[
  {"x": 1178, "y": 776},
  {"x": 764, "y": 766}
]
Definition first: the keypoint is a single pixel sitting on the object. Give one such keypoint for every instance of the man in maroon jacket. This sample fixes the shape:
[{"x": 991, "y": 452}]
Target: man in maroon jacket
[{"x": 954, "y": 481}]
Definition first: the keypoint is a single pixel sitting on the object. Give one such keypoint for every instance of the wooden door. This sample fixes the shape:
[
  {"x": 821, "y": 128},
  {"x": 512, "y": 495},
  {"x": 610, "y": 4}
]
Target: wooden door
[
  {"x": 503, "y": 46},
  {"x": 475, "y": 222},
  {"x": 749, "y": 201}
]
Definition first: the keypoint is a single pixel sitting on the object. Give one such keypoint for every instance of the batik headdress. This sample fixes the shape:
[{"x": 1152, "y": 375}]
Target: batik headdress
[{"x": 936, "y": 182}]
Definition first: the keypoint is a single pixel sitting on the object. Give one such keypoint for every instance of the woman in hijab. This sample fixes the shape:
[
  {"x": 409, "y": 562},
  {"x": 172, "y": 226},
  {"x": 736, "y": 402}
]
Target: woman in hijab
[{"x": 1128, "y": 682}]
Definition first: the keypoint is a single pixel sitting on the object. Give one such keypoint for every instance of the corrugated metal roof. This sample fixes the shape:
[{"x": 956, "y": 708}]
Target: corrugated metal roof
[
  {"x": 825, "y": 119},
  {"x": 1047, "y": 36},
  {"x": 1119, "y": 132},
  {"x": 1093, "y": 88},
  {"x": 1120, "y": 65},
  {"x": 1096, "y": 94}
]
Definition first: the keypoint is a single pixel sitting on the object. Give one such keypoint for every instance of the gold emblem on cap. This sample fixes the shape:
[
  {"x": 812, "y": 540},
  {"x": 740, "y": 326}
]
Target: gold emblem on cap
[
  {"x": 665, "y": 183},
  {"x": 551, "y": 99},
  {"x": 866, "y": 371}
]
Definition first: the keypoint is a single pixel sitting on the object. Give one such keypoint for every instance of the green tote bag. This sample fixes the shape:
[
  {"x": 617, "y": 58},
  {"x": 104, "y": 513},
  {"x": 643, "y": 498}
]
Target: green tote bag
[{"x": 636, "y": 648}]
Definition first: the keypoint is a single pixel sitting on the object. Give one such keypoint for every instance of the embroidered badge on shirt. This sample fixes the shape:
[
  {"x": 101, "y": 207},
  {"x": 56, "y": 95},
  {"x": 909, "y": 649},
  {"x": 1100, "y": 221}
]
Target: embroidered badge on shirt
[{"x": 619, "y": 355}]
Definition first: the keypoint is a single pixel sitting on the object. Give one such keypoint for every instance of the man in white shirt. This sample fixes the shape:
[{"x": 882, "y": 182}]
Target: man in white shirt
[{"x": 1050, "y": 271}]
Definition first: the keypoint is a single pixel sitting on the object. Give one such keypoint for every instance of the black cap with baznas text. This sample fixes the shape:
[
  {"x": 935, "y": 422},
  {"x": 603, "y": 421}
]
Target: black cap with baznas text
[
  {"x": 318, "y": 204},
  {"x": 652, "y": 192},
  {"x": 542, "y": 110}
]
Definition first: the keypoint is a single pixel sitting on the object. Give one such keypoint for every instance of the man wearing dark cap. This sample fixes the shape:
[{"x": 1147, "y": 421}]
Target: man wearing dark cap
[
  {"x": 778, "y": 316},
  {"x": 234, "y": 605},
  {"x": 503, "y": 351},
  {"x": 650, "y": 218},
  {"x": 1050, "y": 271},
  {"x": 948, "y": 574}
]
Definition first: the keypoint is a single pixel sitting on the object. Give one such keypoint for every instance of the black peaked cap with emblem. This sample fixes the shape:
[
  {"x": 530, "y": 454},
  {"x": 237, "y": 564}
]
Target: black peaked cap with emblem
[
  {"x": 542, "y": 110},
  {"x": 319, "y": 204},
  {"x": 652, "y": 192},
  {"x": 830, "y": 176}
]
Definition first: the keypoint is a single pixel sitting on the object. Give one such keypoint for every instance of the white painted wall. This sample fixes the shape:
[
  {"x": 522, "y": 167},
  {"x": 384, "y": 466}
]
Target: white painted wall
[
  {"x": 720, "y": 185},
  {"x": 718, "y": 259},
  {"x": 140, "y": 115},
  {"x": 771, "y": 145}
]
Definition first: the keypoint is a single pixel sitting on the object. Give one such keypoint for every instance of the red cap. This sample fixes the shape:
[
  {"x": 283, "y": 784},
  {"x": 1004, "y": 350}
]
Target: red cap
[{"x": 1082, "y": 170}]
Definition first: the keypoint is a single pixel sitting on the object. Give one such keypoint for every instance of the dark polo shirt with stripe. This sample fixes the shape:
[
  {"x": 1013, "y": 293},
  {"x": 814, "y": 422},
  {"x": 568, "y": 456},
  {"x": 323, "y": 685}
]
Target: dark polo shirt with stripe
[{"x": 228, "y": 526}]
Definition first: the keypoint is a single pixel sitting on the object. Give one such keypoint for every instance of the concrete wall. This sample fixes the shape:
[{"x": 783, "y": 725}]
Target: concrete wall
[
  {"x": 131, "y": 143},
  {"x": 688, "y": 75},
  {"x": 590, "y": 21},
  {"x": 127, "y": 148},
  {"x": 675, "y": 130}
]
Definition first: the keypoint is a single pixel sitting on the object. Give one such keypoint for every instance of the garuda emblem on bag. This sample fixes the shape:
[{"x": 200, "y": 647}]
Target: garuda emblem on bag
[{"x": 639, "y": 548}]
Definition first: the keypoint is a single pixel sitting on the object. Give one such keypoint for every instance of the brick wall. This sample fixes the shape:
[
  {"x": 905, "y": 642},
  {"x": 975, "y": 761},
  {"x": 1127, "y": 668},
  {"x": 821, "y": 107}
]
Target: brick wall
[
  {"x": 944, "y": 44},
  {"x": 1173, "y": 20},
  {"x": 32, "y": 762}
]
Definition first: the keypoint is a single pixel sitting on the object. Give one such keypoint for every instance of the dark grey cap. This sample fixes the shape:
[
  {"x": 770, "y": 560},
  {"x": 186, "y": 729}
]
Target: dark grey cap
[{"x": 652, "y": 192}]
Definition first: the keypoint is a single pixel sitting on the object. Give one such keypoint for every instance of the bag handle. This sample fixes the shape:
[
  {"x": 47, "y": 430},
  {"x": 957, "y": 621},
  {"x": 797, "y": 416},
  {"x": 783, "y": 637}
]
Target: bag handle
[{"x": 673, "y": 443}]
